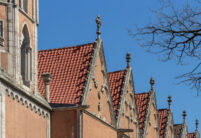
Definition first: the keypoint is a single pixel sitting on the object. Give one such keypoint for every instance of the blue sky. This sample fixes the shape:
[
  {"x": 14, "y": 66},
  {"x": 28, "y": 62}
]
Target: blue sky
[{"x": 72, "y": 22}]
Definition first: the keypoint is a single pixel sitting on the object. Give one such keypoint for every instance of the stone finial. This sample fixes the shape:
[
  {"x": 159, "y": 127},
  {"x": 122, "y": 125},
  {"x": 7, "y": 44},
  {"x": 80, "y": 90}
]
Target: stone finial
[
  {"x": 196, "y": 124},
  {"x": 169, "y": 101},
  {"x": 184, "y": 115},
  {"x": 47, "y": 78},
  {"x": 152, "y": 82},
  {"x": 128, "y": 59},
  {"x": 98, "y": 22}
]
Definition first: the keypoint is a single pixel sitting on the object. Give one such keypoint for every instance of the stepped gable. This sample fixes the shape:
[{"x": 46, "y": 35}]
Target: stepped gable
[
  {"x": 69, "y": 67},
  {"x": 191, "y": 135},
  {"x": 142, "y": 100},
  {"x": 116, "y": 83},
  {"x": 177, "y": 130},
  {"x": 162, "y": 120}
]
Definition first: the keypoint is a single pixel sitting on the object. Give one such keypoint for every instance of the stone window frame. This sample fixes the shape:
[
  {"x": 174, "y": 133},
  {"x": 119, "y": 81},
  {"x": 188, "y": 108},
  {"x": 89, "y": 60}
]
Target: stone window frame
[
  {"x": 24, "y": 5},
  {"x": 27, "y": 78},
  {"x": 1, "y": 32}
]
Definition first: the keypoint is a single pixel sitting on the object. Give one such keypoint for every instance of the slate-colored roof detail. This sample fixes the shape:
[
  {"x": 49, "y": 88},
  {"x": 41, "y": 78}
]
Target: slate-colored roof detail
[
  {"x": 142, "y": 100},
  {"x": 69, "y": 67},
  {"x": 191, "y": 135},
  {"x": 116, "y": 83},
  {"x": 177, "y": 130},
  {"x": 162, "y": 120}
]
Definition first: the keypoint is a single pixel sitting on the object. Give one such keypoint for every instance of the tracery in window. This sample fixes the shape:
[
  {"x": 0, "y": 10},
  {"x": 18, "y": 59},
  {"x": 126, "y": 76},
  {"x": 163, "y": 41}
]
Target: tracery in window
[{"x": 26, "y": 56}]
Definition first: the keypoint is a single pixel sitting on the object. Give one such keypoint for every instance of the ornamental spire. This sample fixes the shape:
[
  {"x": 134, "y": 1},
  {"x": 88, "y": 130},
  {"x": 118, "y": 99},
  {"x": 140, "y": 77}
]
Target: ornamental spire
[
  {"x": 196, "y": 124},
  {"x": 184, "y": 115},
  {"x": 152, "y": 82},
  {"x": 98, "y": 22},
  {"x": 169, "y": 102},
  {"x": 128, "y": 59}
]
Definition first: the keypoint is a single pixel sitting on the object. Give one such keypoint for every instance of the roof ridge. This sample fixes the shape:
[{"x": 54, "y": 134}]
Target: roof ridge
[
  {"x": 177, "y": 124},
  {"x": 162, "y": 109},
  {"x": 142, "y": 93},
  {"x": 116, "y": 71},
  {"x": 66, "y": 47}
]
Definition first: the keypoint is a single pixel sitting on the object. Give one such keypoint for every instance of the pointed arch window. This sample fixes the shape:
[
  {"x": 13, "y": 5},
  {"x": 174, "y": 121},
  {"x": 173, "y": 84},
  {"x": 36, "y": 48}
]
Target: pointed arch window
[
  {"x": 25, "y": 5},
  {"x": 1, "y": 29},
  {"x": 1, "y": 33},
  {"x": 20, "y": 3},
  {"x": 26, "y": 56}
]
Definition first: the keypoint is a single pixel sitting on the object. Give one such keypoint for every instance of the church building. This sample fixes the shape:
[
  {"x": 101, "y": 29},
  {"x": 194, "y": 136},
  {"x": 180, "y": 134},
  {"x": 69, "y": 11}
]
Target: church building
[{"x": 68, "y": 92}]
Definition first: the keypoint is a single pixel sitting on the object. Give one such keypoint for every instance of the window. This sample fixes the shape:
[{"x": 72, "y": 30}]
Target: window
[
  {"x": 26, "y": 57},
  {"x": 1, "y": 33},
  {"x": 25, "y": 5},
  {"x": 20, "y": 3},
  {"x": 1, "y": 29}
]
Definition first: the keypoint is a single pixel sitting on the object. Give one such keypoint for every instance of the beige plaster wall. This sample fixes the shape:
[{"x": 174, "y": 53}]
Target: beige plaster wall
[
  {"x": 170, "y": 133},
  {"x": 93, "y": 99},
  {"x": 152, "y": 132},
  {"x": 4, "y": 55},
  {"x": 3, "y": 17},
  {"x": 22, "y": 122},
  {"x": 93, "y": 128},
  {"x": 127, "y": 112},
  {"x": 64, "y": 124}
]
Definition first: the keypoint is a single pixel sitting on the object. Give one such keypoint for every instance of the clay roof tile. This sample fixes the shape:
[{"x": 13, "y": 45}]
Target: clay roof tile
[
  {"x": 191, "y": 135},
  {"x": 142, "y": 100},
  {"x": 116, "y": 83},
  {"x": 177, "y": 130},
  {"x": 162, "y": 119},
  {"x": 68, "y": 67}
]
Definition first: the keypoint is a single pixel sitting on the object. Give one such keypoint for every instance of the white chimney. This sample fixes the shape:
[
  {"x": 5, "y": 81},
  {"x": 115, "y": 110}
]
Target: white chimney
[{"x": 47, "y": 78}]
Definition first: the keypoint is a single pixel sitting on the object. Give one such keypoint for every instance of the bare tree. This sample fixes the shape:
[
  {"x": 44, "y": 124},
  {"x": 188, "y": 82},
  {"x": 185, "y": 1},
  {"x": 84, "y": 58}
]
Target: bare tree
[{"x": 176, "y": 35}]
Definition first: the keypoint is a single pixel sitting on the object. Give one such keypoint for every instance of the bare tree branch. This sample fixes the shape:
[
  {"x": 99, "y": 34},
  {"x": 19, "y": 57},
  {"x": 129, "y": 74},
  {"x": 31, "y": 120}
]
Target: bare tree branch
[{"x": 176, "y": 35}]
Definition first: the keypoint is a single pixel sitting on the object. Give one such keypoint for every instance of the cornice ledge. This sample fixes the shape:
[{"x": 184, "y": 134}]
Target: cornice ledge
[
  {"x": 125, "y": 130},
  {"x": 95, "y": 117},
  {"x": 3, "y": 3},
  {"x": 4, "y": 77}
]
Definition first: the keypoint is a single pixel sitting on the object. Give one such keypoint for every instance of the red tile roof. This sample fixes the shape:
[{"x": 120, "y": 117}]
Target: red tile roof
[
  {"x": 116, "y": 82},
  {"x": 142, "y": 100},
  {"x": 177, "y": 130},
  {"x": 68, "y": 67},
  {"x": 191, "y": 135},
  {"x": 162, "y": 120}
]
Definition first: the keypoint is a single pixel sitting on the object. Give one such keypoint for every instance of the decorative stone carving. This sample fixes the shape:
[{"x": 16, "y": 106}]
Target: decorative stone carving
[
  {"x": 149, "y": 123},
  {"x": 123, "y": 114},
  {"x": 99, "y": 115},
  {"x": 95, "y": 82},
  {"x": 1, "y": 41},
  {"x": 99, "y": 95},
  {"x": 24, "y": 101},
  {"x": 104, "y": 119},
  {"x": 99, "y": 107},
  {"x": 102, "y": 88}
]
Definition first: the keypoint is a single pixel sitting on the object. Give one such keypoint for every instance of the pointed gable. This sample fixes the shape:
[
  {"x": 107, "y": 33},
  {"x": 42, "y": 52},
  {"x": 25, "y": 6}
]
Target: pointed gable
[
  {"x": 68, "y": 67},
  {"x": 125, "y": 109},
  {"x": 162, "y": 120},
  {"x": 142, "y": 100},
  {"x": 98, "y": 96},
  {"x": 116, "y": 83}
]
